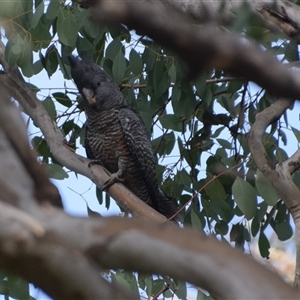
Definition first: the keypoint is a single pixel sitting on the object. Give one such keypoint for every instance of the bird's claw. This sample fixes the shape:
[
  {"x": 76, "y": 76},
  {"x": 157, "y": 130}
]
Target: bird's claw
[
  {"x": 95, "y": 162},
  {"x": 114, "y": 178}
]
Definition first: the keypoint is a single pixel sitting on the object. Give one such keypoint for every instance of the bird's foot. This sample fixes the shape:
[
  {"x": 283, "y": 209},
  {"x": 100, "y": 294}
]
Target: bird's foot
[
  {"x": 114, "y": 178},
  {"x": 95, "y": 162}
]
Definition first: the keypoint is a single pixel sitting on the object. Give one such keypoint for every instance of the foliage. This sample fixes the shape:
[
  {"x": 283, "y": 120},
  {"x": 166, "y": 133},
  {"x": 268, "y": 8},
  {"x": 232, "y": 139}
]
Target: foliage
[{"x": 202, "y": 122}]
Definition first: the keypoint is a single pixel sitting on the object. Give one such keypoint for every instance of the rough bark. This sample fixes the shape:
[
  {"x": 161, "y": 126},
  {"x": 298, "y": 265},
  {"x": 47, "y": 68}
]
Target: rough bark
[{"x": 279, "y": 15}]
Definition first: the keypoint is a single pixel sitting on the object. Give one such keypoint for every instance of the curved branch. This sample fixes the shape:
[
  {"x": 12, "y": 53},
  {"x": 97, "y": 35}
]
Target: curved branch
[
  {"x": 185, "y": 254},
  {"x": 279, "y": 174},
  {"x": 17, "y": 137},
  {"x": 196, "y": 46},
  {"x": 29, "y": 250}
]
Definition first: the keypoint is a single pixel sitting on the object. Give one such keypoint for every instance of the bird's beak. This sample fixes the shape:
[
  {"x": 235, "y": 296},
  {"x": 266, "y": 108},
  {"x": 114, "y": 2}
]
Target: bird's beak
[{"x": 89, "y": 96}]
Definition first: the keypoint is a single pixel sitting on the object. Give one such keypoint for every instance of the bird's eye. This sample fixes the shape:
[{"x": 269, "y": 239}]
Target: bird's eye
[{"x": 98, "y": 83}]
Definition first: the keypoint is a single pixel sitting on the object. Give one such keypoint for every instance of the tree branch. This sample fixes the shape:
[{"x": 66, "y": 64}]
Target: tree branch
[
  {"x": 195, "y": 45},
  {"x": 29, "y": 250},
  {"x": 279, "y": 174},
  {"x": 277, "y": 15},
  {"x": 148, "y": 247}
]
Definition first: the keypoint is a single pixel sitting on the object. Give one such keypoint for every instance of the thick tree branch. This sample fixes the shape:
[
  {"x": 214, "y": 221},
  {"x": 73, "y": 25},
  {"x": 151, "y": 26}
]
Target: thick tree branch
[
  {"x": 196, "y": 46},
  {"x": 29, "y": 250},
  {"x": 17, "y": 137},
  {"x": 142, "y": 246},
  {"x": 277, "y": 15}
]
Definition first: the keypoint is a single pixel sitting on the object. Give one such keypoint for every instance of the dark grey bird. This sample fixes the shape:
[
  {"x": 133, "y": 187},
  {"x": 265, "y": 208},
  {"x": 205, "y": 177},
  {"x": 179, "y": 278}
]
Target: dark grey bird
[{"x": 116, "y": 136}]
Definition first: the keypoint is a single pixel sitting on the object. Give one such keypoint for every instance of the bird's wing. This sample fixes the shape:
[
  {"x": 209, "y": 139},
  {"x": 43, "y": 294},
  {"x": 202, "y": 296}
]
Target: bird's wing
[
  {"x": 138, "y": 142},
  {"x": 88, "y": 149}
]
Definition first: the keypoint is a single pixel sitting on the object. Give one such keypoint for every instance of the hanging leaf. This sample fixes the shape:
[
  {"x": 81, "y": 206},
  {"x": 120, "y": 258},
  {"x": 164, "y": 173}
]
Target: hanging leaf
[
  {"x": 119, "y": 67},
  {"x": 284, "y": 231},
  {"x": 245, "y": 197},
  {"x": 63, "y": 99},
  {"x": 136, "y": 62},
  {"x": 56, "y": 171},
  {"x": 67, "y": 27},
  {"x": 38, "y": 14},
  {"x": 266, "y": 189},
  {"x": 263, "y": 245},
  {"x": 50, "y": 107}
]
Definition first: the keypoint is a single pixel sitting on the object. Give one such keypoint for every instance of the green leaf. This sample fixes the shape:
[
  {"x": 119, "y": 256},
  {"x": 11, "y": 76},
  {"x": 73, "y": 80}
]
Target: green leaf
[
  {"x": 17, "y": 45},
  {"x": 53, "y": 9},
  {"x": 136, "y": 62},
  {"x": 147, "y": 120},
  {"x": 215, "y": 189},
  {"x": 10, "y": 57},
  {"x": 149, "y": 58},
  {"x": 281, "y": 155},
  {"x": 37, "y": 67},
  {"x": 84, "y": 44},
  {"x": 169, "y": 142},
  {"x": 245, "y": 197},
  {"x": 107, "y": 201},
  {"x": 225, "y": 144},
  {"x": 99, "y": 195},
  {"x": 255, "y": 226},
  {"x": 131, "y": 278},
  {"x": 195, "y": 220},
  {"x": 51, "y": 60},
  {"x": 38, "y": 13},
  {"x": 266, "y": 189},
  {"x": 221, "y": 228},
  {"x": 66, "y": 72},
  {"x": 18, "y": 288},
  {"x": 149, "y": 286},
  {"x": 163, "y": 85},
  {"x": 41, "y": 146},
  {"x": 263, "y": 245},
  {"x": 200, "y": 84},
  {"x": 158, "y": 285},
  {"x": 181, "y": 290},
  {"x": 56, "y": 171},
  {"x": 284, "y": 231},
  {"x": 50, "y": 107},
  {"x": 291, "y": 52},
  {"x": 119, "y": 67},
  {"x": 171, "y": 122},
  {"x": 118, "y": 278},
  {"x": 67, "y": 27},
  {"x": 296, "y": 133},
  {"x": 63, "y": 99},
  {"x": 172, "y": 73},
  {"x": 26, "y": 60},
  {"x": 113, "y": 49}
]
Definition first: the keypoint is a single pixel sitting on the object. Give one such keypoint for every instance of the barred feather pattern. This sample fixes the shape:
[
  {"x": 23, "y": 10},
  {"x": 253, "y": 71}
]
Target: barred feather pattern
[{"x": 117, "y": 136}]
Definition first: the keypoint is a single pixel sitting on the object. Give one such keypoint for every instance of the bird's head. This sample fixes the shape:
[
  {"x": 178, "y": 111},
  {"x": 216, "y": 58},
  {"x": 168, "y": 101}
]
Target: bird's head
[{"x": 96, "y": 87}]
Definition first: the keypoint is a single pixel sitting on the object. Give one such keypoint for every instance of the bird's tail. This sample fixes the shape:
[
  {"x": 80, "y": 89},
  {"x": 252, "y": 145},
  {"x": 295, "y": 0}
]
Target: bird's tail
[{"x": 168, "y": 208}]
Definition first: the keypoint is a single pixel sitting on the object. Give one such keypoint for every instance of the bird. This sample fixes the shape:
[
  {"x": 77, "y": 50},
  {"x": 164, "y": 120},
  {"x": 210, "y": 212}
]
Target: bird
[{"x": 116, "y": 136}]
